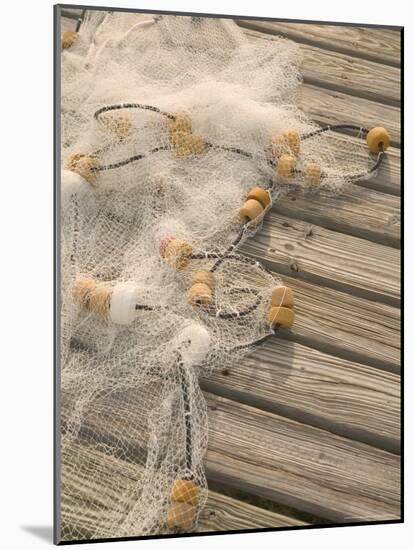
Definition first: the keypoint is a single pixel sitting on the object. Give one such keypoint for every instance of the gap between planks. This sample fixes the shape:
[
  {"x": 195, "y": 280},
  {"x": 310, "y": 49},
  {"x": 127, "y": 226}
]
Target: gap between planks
[
  {"x": 344, "y": 73},
  {"x": 323, "y": 105},
  {"x": 296, "y": 248},
  {"x": 378, "y": 45},
  {"x": 357, "y": 211},
  {"x": 344, "y": 397},
  {"x": 345, "y": 326},
  {"x": 387, "y": 180},
  {"x": 95, "y": 504},
  {"x": 299, "y": 465},
  {"x": 278, "y": 459}
]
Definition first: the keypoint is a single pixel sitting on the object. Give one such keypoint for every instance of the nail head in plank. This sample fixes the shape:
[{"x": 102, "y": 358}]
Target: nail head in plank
[
  {"x": 344, "y": 262},
  {"x": 357, "y": 211}
]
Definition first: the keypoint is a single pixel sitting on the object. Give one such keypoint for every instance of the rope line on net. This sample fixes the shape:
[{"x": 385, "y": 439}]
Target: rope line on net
[{"x": 329, "y": 127}]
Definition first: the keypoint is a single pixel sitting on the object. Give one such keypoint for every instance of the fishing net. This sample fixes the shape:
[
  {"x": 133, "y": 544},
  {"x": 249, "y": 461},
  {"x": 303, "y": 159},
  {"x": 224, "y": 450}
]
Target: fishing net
[{"x": 177, "y": 135}]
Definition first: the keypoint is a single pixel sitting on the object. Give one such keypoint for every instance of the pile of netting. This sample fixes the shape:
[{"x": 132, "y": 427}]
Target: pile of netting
[{"x": 177, "y": 135}]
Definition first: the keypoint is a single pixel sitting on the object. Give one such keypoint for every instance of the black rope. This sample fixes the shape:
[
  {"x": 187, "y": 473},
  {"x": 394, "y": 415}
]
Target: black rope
[
  {"x": 361, "y": 130},
  {"x": 229, "y": 149},
  {"x": 215, "y": 255},
  {"x": 108, "y": 108},
  {"x": 142, "y": 307},
  {"x": 187, "y": 414},
  {"x": 131, "y": 159},
  {"x": 230, "y": 249},
  {"x": 328, "y": 127},
  {"x": 80, "y": 20},
  {"x": 254, "y": 343},
  {"x": 242, "y": 313}
]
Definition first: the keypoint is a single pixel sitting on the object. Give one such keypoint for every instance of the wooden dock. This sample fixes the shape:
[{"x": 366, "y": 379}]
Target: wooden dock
[{"x": 306, "y": 430}]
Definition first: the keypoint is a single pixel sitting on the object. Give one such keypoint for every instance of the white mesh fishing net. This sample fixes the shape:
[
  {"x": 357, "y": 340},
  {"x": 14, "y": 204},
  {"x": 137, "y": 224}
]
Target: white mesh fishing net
[{"x": 167, "y": 124}]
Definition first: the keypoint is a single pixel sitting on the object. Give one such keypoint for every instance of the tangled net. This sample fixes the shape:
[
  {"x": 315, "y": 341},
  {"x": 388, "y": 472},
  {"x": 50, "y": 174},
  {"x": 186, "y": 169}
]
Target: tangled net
[{"x": 177, "y": 136}]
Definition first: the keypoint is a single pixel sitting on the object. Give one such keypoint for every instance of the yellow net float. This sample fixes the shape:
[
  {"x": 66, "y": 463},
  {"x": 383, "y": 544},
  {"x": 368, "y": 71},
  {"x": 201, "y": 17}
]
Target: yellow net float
[
  {"x": 281, "y": 316},
  {"x": 281, "y": 311},
  {"x": 282, "y": 296},
  {"x": 205, "y": 278},
  {"x": 287, "y": 142},
  {"x": 118, "y": 123},
  {"x": 84, "y": 165},
  {"x": 182, "y": 137},
  {"x": 176, "y": 252},
  {"x": 201, "y": 291},
  {"x": 93, "y": 298},
  {"x": 185, "y": 496},
  {"x": 199, "y": 295},
  {"x": 378, "y": 139},
  {"x": 261, "y": 195},
  {"x": 187, "y": 144},
  {"x": 286, "y": 166},
  {"x": 67, "y": 39},
  {"x": 180, "y": 123},
  {"x": 251, "y": 211},
  {"x": 312, "y": 173},
  {"x": 185, "y": 490},
  {"x": 181, "y": 515}
]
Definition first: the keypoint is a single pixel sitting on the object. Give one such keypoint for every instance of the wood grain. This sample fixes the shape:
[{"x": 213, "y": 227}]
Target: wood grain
[
  {"x": 223, "y": 513},
  {"x": 388, "y": 178},
  {"x": 345, "y": 73},
  {"x": 301, "y": 249},
  {"x": 379, "y": 45},
  {"x": 311, "y": 399},
  {"x": 344, "y": 325},
  {"x": 299, "y": 465},
  {"x": 285, "y": 461},
  {"x": 87, "y": 507},
  {"x": 357, "y": 211},
  {"x": 301, "y": 383},
  {"x": 330, "y": 107},
  {"x": 67, "y": 24}
]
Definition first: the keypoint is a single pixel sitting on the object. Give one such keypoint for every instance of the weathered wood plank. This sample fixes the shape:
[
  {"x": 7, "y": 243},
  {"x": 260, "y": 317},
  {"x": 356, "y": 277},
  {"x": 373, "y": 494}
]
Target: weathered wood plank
[
  {"x": 301, "y": 466},
  {"x": 88, "y": 508},
  {"x": 285, "y": 461},
  {"x": 380, "y": 45},
  {"x": 298, "y": 248},
  {"x": 71, "y": 13},
  {"x": 288, "y": 462},
  {"x": 344, "y": 325},
  {"x": 344, "y": 73},
  {"x": 223, "y": 513},
  {"x": 67, "y": 24},
  {"x": 388, "y": 177},
  {"x": 344, "y": 397},
  {"x": 330, "y": 107},
  {"x": 357, "y": 211}
]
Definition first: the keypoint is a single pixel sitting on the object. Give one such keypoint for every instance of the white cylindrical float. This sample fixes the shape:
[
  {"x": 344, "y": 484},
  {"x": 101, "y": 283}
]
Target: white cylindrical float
[
  {"x": 123, "y": 303},
  {"x": 193, "y": 343}
]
